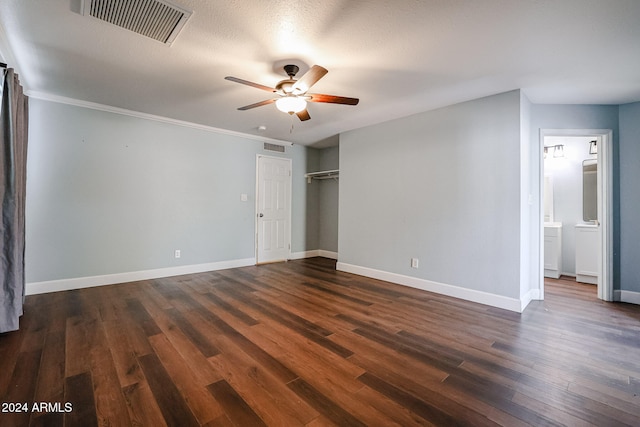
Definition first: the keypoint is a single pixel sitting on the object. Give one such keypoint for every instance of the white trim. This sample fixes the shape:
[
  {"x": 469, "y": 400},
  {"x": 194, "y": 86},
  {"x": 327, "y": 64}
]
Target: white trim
[
  {"x": 605, "y": 167},
  {"x": 486, "y": 298},
  {"x": 305, "y": 254},
  {"x": 540, "y": 261},
  {"x": 631, "y": 297},
  {"x": 328, "y": 254},
  {"x": 532, "y": 295},
  {"x": 112, "y": 279},
  {"x": 116, "y": 110},
  {"x": 605, "y": 208},
  {"x": 313, "y": 254}
]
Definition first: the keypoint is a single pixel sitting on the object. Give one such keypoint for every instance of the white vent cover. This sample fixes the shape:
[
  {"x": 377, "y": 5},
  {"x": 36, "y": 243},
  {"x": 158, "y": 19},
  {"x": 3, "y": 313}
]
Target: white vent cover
[
  {"x": 274, "y": 147},
  {"x": 156, "y": 19}
]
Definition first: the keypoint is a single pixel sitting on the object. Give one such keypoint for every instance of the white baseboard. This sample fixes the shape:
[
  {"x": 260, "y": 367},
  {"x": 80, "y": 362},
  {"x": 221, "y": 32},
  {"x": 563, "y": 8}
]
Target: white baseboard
[
  {"x": 630, "y": 297},
  {"x": 328, "y": 254},
  {"x": 314, "y": 253},
  {"x": 486, "y": 298},
  {"x": 305, "y": 254},
  {"x": 112, "y": 279},
  {"x": 34, "y": 288},
  {"x": 533, "y": 294}
]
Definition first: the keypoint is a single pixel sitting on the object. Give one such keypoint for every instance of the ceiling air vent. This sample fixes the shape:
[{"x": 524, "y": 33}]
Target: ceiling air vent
[{"x": 156, "y": 19}]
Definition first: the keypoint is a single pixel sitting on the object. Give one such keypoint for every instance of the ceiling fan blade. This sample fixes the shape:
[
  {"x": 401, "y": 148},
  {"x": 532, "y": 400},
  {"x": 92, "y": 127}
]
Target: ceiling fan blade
[
  {"x": 258, "y": 104},
  {"x": 303, "y": 115},
  {"x": 248, "y": 83},
  {"x": 332, "y": 99},
  {"x": 310, "y": 78}
]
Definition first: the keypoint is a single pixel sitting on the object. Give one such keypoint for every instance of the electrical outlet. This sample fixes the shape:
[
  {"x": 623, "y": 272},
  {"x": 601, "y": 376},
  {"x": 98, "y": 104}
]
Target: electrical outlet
[
  {"x": 414, "y": 262},
  {"x": 177, "y": 253}
]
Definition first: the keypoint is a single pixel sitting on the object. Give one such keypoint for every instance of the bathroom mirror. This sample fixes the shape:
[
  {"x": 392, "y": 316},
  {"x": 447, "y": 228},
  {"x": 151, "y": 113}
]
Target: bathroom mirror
[{"x": 590, "y": 190}]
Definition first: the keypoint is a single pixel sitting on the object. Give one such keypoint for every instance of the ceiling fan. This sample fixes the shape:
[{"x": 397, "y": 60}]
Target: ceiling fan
[{"x": 292, "y": 95}]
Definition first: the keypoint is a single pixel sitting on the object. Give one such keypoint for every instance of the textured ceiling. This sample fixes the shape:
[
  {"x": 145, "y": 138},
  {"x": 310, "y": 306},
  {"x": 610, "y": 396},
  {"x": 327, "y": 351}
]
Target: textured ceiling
[{"x": 399, "y": 57}]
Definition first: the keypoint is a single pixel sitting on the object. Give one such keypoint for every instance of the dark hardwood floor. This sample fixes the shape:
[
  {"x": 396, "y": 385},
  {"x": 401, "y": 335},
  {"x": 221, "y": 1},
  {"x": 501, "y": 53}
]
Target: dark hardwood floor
[{"x": 298, "y": 343}]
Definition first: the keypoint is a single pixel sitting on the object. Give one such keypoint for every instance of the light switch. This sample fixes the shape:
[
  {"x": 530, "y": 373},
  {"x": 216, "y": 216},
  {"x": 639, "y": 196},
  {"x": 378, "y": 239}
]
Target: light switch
[{"x": 243, "y": 198}]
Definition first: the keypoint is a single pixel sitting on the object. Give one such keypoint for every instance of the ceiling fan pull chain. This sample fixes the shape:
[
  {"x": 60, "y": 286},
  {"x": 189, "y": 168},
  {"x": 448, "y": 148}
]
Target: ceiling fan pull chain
[{"x": 292, "y": 122}]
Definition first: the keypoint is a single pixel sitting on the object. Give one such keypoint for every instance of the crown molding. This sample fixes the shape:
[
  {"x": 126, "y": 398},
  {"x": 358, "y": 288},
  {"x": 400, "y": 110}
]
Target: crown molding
[{"x": 123, "y": 111}]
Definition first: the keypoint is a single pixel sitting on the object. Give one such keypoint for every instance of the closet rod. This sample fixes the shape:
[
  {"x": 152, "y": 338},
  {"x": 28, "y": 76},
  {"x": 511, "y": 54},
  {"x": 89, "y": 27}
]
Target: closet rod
[{"x": 322, "y": 175}]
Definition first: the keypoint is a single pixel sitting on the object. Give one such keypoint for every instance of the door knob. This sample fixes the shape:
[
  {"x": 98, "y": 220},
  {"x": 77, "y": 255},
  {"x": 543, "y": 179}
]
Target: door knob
[{"x": 260, "y": 215}]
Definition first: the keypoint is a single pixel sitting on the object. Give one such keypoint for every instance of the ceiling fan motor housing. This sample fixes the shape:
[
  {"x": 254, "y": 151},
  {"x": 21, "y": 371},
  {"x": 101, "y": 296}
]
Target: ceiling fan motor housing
[{"x": 291, "y": 70}]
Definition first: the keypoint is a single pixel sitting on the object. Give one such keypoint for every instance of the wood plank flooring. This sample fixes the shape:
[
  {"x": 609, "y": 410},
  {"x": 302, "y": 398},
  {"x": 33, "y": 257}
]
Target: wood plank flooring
[{"x": 299, "y": 344}]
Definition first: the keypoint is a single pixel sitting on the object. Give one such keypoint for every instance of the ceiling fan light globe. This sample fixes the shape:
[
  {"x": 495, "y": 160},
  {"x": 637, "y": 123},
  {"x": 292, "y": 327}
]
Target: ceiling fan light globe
[{"x": 291, "y": 104}]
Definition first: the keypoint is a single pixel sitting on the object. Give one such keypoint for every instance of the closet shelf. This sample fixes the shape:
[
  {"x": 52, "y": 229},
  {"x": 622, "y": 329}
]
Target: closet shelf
[{"x": 332, "y": 174}]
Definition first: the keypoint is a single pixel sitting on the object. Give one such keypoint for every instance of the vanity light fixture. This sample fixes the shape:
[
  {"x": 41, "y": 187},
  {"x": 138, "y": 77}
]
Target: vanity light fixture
[
  {"x": 593, "y": 147},
  {"x": 558, "y": 150}
]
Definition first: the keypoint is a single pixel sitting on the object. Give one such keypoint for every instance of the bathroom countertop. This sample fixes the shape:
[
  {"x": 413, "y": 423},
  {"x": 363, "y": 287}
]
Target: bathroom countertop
[{"x": 587, "y": 225}]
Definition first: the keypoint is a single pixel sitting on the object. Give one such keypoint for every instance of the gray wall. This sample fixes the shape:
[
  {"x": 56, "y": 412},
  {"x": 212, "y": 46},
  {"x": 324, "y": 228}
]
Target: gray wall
[
  {"x": 442, "y": 186},
  {"x": 108, "y": 193},
  {"x": 630, "y": 197},
  {"x": 328, "y": 201},
  {"x": 529, "y": 271},
  {"x": 311, "y": 195},
  {"x": 545, "y": 116}
]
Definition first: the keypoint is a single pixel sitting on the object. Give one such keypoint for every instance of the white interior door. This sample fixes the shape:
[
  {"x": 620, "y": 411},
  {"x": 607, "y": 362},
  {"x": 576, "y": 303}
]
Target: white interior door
[{"x": 273, "y": 227}]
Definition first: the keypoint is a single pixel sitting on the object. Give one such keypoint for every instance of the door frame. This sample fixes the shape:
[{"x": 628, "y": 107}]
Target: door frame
[
  {"x": 257, "y": 207},
  {"x": 605, "y": 206}
]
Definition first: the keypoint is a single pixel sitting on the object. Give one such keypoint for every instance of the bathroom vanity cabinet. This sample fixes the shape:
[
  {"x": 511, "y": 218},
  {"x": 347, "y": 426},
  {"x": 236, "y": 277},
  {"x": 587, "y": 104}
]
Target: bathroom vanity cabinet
[
  {"x": 552, "y": 249},
  {"x": 587, "y": 253}
]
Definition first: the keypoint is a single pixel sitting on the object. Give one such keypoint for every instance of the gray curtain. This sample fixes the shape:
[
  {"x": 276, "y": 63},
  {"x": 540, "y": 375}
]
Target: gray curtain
[{"x": 13, "y": 167}]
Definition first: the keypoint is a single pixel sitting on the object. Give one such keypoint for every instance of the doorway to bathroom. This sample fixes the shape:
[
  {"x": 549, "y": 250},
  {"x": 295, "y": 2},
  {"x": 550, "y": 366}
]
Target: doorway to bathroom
[{"x": 576, "y": 238}]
